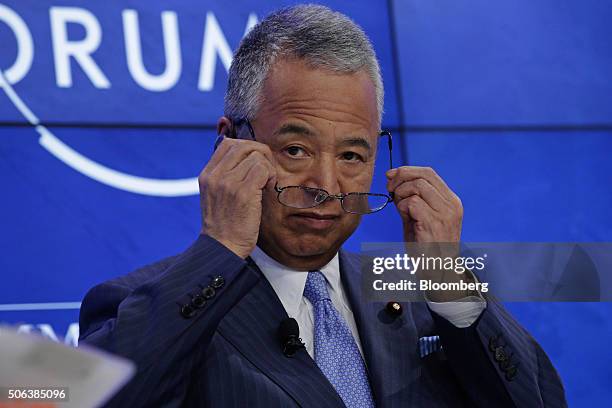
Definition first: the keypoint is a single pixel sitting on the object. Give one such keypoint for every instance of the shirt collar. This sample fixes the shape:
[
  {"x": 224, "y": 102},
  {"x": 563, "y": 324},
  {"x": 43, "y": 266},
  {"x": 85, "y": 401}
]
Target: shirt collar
[{"x": 289, "y": 283}]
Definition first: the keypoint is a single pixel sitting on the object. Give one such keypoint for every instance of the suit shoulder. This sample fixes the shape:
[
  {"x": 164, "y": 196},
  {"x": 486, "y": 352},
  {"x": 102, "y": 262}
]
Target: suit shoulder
[
  {"x": 141, "y": 275},
  {"x": 113, "y": 291},
  {"x": 102, "y": 301}
]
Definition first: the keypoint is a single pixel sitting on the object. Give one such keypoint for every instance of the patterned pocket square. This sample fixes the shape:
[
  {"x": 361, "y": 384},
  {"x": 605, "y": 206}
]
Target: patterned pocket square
[{"x": 429, "y": 345}]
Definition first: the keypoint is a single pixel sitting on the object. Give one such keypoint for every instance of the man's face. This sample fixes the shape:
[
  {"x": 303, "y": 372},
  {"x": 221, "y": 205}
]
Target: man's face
[{"x": 323, "y": 130}]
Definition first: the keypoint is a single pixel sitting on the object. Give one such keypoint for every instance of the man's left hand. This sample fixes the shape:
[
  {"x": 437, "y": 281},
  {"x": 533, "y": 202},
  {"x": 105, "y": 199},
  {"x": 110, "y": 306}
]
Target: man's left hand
[{"x": 430, "y": 211}]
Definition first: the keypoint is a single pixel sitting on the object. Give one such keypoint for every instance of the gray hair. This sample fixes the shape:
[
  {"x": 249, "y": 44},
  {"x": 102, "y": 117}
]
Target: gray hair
[{"x": 320, "y": 36}]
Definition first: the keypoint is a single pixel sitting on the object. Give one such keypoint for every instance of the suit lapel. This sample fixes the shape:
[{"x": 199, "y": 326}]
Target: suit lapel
[
  {"x": 389, "y": 344},
  {"x": 251, "y": 327}
]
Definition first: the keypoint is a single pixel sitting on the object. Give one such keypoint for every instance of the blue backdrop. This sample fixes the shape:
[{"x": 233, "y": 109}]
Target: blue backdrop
[{"x": 510, "y": 101}]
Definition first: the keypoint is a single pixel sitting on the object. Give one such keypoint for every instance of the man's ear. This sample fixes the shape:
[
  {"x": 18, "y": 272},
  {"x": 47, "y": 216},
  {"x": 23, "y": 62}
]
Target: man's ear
[{"x": 225, "y": 127}]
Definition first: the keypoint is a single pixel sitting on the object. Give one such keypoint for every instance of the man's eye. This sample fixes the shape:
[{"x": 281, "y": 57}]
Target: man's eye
[
  {"x": 352, "y": 156},
  {"x": 295, "y": 151}
]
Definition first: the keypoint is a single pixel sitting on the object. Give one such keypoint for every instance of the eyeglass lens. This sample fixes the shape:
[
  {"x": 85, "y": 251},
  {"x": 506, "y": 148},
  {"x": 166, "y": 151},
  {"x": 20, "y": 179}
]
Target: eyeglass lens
[{"x": 306, "y": 197}]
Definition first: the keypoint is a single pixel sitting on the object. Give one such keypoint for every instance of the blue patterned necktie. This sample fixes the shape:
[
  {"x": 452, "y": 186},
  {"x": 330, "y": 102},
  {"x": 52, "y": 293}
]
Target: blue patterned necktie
[{"x": 336, "y": 352}]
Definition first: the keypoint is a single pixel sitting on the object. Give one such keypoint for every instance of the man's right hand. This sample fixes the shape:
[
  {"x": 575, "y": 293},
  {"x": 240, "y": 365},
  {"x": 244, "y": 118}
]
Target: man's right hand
[{"x": 231, "y": 190}]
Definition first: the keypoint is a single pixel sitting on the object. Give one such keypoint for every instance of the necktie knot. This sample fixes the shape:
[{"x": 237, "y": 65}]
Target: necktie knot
[{"x": 316, "y": 287}]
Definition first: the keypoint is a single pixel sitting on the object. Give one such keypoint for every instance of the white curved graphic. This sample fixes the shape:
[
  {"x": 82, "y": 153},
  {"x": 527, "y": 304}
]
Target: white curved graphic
[
  {"x": 93, "y": 169},
  {"x": 25, "y": 45}
]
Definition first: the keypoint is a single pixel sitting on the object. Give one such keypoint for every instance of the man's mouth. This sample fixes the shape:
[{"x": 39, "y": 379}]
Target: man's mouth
[{"x": 315, "y": 220}]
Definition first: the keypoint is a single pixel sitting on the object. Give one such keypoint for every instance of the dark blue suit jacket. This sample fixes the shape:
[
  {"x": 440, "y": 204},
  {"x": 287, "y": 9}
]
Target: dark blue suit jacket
[{"x": 223, "y": 351}]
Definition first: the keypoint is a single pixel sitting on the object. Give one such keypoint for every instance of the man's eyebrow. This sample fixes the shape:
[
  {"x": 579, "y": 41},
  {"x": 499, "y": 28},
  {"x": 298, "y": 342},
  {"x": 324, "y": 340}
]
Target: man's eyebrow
[
  {"x": 292, "y": 128},
  {"x": 295, "y": 129},
  {"x": 356, "y": 141}
]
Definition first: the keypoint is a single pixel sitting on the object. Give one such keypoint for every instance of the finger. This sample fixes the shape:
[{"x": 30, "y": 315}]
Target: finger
[
  {"x": 423, "y": 189},
  {"x": 265, "y": 171},
  {"x": 240, "y": 150},
  {"x": 406, "y": 173},
  {"x": 259, "y": 175},
  {"x": 221, "y": 150},
  {"x": 416, "y": 208},
  {"x": 236, "y": 151},
  {"x": 238, "y": 174}
]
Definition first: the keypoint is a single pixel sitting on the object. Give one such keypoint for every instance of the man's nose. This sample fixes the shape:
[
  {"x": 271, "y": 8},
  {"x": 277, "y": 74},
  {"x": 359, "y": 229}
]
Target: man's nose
[{"x": 324, "y": 174}]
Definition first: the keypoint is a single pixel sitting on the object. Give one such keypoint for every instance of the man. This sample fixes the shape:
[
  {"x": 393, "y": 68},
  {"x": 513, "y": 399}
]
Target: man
[{"x": 300, "y": 132}]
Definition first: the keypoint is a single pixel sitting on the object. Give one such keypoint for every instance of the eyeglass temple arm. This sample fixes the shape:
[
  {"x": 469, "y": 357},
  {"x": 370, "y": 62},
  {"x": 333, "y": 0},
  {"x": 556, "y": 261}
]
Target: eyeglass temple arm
[
  {"x": 390, "y": 144},
  {"x": 243, "y": 121}
]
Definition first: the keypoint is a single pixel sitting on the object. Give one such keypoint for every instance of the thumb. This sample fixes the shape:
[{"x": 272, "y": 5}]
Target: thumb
[{"x": 391, "y": 173}]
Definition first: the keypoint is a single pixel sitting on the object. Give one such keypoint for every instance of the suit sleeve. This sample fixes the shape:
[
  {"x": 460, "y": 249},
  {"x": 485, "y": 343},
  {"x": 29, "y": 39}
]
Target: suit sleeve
[
  {"x": 498, "y": 363},
  {"x": 164, "y": 323}
]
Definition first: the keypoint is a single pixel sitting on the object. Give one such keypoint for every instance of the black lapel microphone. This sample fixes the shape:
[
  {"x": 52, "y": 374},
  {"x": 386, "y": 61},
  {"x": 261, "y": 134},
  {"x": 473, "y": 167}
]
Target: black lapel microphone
[{"x": 289, "y": 336}]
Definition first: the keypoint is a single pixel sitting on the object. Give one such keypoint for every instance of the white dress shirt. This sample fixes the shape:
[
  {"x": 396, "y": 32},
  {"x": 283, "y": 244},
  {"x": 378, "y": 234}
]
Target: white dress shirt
[{"x": 289, "y": 287}]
